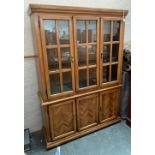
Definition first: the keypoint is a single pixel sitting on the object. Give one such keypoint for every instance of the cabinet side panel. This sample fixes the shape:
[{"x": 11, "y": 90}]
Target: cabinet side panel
[
  {"x": 46, "y": 122},
  {"x": 38, "y": 51},
  {"x": 118, "y": 101}
]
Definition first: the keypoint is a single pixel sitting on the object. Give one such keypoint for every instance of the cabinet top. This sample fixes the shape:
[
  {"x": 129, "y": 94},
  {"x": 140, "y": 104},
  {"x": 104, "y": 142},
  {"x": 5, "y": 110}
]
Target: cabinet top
[{"x": 39, "y": 8}]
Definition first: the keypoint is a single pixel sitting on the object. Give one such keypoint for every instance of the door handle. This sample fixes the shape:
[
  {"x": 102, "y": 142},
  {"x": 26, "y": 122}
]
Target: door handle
[
  {"x": 101, "y": 55},
  {"x": 72, "y": 59}
]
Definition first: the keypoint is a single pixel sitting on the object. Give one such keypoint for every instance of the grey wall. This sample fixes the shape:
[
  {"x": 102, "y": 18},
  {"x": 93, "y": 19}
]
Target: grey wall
[{"x": 32, "y": 112}]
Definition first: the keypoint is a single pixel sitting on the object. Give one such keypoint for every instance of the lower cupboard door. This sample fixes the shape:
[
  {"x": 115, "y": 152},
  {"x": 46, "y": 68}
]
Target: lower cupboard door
[
  {"x": 62, "y": 119},
  {"x": 109, "y": 104},
  {"x": 87, "y": 111}
]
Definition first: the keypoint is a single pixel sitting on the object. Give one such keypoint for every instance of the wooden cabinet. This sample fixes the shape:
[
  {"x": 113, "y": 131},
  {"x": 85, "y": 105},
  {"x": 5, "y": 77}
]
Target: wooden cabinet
[
  {"x": 62, "y": 119},
  {"x": 87, "y": 111},
  {"x": 79, "y": 64}
]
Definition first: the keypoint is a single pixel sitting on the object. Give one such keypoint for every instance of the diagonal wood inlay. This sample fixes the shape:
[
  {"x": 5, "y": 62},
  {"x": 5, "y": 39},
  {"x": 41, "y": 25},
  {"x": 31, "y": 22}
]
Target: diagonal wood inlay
[
  {"x": 61, "y": 117},
  {"x": 109, "y": 102},
  {"x": 87, "y": 107}
]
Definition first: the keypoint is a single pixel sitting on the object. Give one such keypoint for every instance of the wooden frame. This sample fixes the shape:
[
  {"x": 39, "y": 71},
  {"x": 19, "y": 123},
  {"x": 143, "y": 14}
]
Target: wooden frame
[
  {"x": 67, "y": 103},
  {"x": 57, "y": 46},
  {"x": 87, "y": 66},
  {"x": 39, "y": 61},
  {"x": 49, "y": 102},
  {"x": 111, "y": 42}
]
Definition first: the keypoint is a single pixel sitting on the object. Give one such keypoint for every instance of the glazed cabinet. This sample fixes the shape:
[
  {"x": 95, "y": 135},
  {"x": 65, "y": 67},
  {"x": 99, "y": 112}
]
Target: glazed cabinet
[{"x": 79, "y": 61}]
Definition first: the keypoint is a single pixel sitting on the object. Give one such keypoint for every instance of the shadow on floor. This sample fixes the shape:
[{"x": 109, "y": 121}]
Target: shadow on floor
[{"x": 113, "y": 140}]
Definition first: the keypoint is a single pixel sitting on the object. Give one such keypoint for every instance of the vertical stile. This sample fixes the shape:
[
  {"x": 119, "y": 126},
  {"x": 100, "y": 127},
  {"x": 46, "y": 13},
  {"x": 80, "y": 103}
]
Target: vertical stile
[
  {"x": 72, "y": 52},
  {"x": 111, "y": 39},
  {"x": 45, "y": 56},
  {"x": 97, "y": 52},
  {"x": 59, "y": 56},
  {"x": 101, "y": 50},
  {"x": 87, "y": 55},
  {"x": 76, "y": 54}
]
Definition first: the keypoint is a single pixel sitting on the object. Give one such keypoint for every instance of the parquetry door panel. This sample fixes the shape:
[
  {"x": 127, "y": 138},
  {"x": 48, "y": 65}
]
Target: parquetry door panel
[
  {"x": 109, "y": 104},
  {"x": 87, "y": 111},
  {"x": 62, "y": 119}
]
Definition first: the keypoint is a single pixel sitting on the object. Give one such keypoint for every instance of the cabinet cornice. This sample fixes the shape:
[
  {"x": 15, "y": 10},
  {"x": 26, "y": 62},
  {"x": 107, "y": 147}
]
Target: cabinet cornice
[{"x": 39, "y": 8}]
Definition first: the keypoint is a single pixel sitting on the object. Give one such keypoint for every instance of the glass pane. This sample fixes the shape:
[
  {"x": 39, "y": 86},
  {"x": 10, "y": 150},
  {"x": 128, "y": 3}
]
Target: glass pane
[
  {"x": 92, "y": 31},
  {"x": 82, "y": 55},
  {"x": 107, "y": 27},
  {"x": 55, "y": 83},
  {"x": 105, "y": 74},
  {"x": 67, "y": 81},
  {"x": 92, "y": 54},
  {"x": 52, "y": 56},
  {"x": 50, "y": 32},
  {"x": 81, "y": 31},
  {"x": 92, "y": 76},
  {"x": 114, "y": 73},
  {"x": 106, "y": 53},
  {"x": 63, "y": 28},
  {"x": 82, "y": 78},
  {"x": 116, "y": 30},
  {"x": 65, "y": 57},
  {"x": 115, "y": 49}
]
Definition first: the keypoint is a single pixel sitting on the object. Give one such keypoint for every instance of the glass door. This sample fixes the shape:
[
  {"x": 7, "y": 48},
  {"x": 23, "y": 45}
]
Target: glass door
[
  {"x": 110, "y": 51},
  {"x": 56, "y": 33},
  {"x": 86, "y": 32}
]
